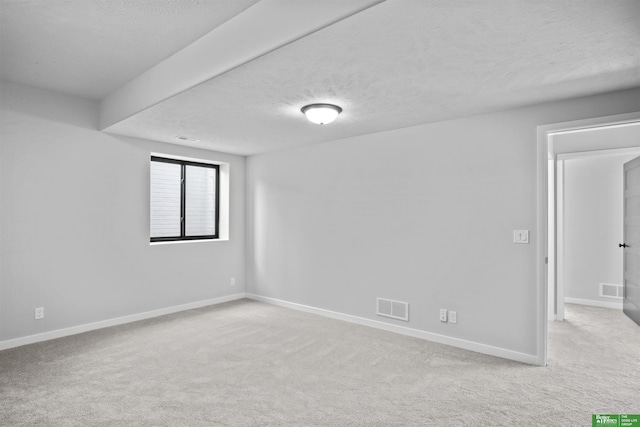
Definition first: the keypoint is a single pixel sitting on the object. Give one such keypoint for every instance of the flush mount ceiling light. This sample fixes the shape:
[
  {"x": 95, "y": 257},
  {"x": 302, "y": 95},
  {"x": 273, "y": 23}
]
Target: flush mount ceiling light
[{"x": 321, "y": 114}]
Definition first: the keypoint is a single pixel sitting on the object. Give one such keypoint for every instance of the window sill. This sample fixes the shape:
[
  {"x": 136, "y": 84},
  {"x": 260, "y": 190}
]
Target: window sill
[{"x": 174, "y": 242}]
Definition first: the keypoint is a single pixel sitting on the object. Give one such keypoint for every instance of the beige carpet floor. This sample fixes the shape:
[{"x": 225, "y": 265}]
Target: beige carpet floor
[{"x": 247, "y": 363}]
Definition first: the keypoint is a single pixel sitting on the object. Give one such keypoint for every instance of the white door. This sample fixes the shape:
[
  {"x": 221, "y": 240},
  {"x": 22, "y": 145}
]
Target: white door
[{"x": 631, "y": 244}]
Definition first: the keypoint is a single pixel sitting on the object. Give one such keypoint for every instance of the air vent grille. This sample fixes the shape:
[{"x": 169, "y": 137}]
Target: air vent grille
[
  {"x": 611, "y": 291},
  {"x": 393, "y": 309}
]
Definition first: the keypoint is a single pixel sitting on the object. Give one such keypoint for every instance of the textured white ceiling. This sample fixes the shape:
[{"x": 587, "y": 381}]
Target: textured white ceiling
[
  {"x": 396, "y": 64},
  {"x": 89, "y": 48},
  {"x": 403, "y": 63}
]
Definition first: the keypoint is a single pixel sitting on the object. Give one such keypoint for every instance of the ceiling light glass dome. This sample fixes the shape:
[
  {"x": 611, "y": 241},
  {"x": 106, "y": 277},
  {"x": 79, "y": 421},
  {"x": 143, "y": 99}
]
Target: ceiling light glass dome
[{"x": 321, "y": 114}]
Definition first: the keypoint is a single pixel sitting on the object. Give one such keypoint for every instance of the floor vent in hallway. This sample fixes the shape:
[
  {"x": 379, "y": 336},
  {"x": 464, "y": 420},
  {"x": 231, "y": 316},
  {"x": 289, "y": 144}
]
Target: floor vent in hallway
[{"x": 611, "y": 291}]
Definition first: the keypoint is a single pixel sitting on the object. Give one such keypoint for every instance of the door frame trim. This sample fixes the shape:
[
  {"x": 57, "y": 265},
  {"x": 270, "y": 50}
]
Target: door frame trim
[{"x": 543, "y": 133}]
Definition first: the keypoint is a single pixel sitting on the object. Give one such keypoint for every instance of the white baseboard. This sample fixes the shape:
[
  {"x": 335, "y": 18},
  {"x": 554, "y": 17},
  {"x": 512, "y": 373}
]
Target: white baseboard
[
  {"x": 416, "y": 333},
  {"x": 592, "y": 303},
  {"x": 59, "y": 333}
]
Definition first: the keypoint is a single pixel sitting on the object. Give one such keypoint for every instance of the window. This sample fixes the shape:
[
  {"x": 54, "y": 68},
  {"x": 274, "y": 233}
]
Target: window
[{"x": 185, "y": 200}]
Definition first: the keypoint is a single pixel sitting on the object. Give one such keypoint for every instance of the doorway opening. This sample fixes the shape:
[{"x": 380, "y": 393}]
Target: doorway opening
[
  {"x": 588, "y": 222},
  {"x": 561, "y": 142}
]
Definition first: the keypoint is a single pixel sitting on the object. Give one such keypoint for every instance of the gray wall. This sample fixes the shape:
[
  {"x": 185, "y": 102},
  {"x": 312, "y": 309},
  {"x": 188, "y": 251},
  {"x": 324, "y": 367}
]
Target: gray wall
[
  {"x": 74, "y": 228},
  {"x": 593, "y": 197},
  {"x": 423, "y": 214}
]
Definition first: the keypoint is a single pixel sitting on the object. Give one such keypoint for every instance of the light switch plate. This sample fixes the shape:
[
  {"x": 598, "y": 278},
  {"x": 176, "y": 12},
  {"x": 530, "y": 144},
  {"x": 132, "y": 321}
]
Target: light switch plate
[
  {"x": 520, "y": 236},
  {"x": 453, "y": 317}
]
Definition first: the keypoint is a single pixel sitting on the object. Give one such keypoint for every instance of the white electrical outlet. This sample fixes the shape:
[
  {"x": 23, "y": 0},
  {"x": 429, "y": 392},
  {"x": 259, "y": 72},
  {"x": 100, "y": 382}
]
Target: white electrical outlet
[
  {"x": 39, "y": 313},
  {"x": 453, "y": 317},
  {"x": 443, "y": 315},
  {"x": 233, "y": 281}
]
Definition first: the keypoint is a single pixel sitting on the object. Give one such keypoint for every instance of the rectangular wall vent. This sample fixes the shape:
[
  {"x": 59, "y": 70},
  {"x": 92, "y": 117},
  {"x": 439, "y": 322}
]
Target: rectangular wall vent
[
  {"x": 611, "y": 291},
  {"x": 393, "y": 309}
]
